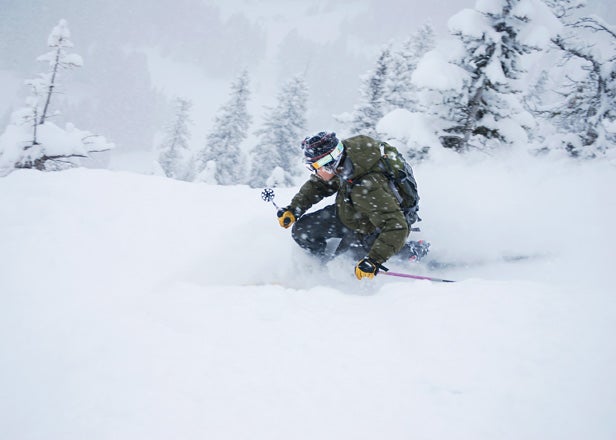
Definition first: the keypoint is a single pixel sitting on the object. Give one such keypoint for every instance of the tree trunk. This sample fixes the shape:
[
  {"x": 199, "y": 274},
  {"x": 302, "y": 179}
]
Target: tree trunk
[{"x": 51, "y": 83}]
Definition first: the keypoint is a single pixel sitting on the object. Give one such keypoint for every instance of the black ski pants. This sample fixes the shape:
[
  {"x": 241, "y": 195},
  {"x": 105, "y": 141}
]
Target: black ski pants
[{"x": 311, "y": 232}]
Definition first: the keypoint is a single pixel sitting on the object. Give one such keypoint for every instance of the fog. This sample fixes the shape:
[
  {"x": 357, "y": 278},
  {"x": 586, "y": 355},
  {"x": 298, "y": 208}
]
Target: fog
[{"x": 139, "y": 55}]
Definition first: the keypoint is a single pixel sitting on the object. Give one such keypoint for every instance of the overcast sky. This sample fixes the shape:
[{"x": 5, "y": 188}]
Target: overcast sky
[{"x": 393, "y": 14}]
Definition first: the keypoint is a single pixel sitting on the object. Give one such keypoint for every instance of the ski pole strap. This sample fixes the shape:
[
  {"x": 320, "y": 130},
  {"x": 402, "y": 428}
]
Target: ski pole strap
[{"x": 417, "y": 277}]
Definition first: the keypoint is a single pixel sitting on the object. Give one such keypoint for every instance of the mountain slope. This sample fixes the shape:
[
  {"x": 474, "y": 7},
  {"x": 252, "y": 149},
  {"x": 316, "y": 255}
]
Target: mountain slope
[{"x": 140, "y": 307}]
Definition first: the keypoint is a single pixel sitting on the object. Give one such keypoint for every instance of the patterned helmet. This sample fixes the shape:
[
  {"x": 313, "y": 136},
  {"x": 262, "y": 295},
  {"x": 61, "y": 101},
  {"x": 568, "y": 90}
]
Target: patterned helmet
[{"x": 322, "y": 149}]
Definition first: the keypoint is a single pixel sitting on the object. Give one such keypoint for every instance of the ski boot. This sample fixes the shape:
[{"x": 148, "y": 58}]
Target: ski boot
[{"x": 414, "y": 251}]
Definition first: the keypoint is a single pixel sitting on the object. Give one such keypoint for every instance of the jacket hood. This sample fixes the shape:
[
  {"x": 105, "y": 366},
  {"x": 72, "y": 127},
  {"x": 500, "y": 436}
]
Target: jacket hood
[{"x": 364, "y": 154}]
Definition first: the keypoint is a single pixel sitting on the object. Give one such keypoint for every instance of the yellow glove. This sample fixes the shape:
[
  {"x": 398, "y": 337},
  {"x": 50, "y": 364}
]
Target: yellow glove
[
  {"x": 285, "y": 217},
  {"x": 366, "y": 268}
]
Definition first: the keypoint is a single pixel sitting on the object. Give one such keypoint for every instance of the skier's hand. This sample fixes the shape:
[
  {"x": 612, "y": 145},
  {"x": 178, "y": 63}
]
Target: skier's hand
[
  {"x": 285, "y": 217},
  {"x": 366, "y": 268}
]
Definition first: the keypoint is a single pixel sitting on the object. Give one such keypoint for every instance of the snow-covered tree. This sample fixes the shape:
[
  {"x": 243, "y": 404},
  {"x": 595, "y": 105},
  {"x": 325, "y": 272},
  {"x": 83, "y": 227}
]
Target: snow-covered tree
[
  {"x": 174, "y": 154},
  {"x": 564, "y": 8},
  {"x": 277, "y": 154},
  {"x": 58, "y": 58},
  {"x": 400, "y": 92},
  {"x": 222, "y": 154},
  {"x": 585, "y": 106},
  {"x": 31, "y": 140},
  {"x": 486, "y": 110},
  {"x": 371, "y": 106}
]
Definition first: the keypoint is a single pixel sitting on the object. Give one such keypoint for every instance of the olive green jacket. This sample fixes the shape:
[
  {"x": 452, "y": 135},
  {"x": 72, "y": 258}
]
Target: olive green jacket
[{"x": 364, "y": 201}]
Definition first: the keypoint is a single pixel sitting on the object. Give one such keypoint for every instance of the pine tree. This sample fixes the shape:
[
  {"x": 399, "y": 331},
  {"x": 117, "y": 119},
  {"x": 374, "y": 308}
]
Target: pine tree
[
  {"x": 47, "y": 147},
  {"x": 488, "y": 111},
  {"x": 174, "y": 152},
  {"x": 371, "y": 107},
  {"x": 222, "y": 154},
  {"x": 58, "y": 58},
  {"x": 277, "y": 155},
  {"x": 399, "y": 89}
]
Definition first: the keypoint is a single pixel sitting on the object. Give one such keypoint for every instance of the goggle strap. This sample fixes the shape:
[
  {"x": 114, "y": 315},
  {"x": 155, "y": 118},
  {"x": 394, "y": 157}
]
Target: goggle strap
[{"x": 329, "y": 157}]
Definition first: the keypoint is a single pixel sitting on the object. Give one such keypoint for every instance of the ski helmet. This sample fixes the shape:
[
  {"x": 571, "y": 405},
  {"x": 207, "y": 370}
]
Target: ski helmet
[{"x": 322, "y": 149}]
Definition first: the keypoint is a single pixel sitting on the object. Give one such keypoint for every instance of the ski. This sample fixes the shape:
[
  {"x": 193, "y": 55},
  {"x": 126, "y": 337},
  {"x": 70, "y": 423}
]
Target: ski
[{"x": 435, "y": 264}]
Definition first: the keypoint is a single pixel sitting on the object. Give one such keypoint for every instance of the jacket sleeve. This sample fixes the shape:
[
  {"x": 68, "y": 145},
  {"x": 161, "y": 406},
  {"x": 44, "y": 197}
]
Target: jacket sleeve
[
  {"x": 373, "y": 199},
  {"x": 312, "y": 192}
]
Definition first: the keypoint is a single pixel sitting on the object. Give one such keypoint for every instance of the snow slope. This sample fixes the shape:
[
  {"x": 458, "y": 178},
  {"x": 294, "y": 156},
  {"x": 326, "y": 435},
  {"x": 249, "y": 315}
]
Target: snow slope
[{"x": 136, "y": 307}]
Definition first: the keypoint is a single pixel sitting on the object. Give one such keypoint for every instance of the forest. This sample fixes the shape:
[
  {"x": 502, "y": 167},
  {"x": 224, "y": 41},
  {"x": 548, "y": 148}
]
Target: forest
[{"x": 512, "y": 75}]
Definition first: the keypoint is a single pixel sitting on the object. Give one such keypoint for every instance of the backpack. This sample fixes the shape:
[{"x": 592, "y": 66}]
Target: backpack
[{"x": 401, "y": 181}]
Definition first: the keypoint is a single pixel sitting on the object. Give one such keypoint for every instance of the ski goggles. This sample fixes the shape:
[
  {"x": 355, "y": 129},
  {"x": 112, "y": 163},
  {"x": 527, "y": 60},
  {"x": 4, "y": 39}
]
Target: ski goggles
[{"x": 326, "y": 161}]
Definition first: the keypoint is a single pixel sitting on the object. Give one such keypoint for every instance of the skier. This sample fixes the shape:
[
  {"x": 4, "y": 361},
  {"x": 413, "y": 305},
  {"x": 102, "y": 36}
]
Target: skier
[{"x": 367, "y": 216}]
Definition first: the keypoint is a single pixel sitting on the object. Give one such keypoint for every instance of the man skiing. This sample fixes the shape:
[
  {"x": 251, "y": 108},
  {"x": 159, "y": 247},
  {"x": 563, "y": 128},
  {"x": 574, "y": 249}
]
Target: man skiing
[{"x": 367, "y": 216}]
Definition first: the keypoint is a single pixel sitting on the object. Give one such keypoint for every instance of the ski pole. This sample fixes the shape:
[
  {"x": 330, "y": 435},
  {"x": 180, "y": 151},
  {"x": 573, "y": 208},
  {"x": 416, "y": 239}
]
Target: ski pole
[
  {"x": 417, "y": 277},
  {"x": 268, "y": 195}
]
